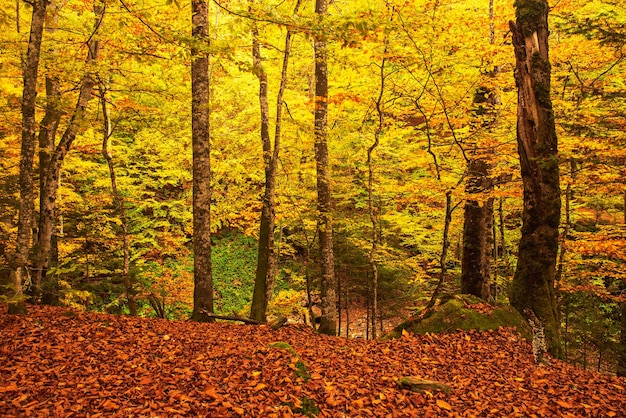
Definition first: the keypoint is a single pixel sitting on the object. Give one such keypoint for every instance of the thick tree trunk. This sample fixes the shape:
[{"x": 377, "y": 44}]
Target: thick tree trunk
[
  {"x": 118, "y": 200},
  {"x": 49, "y": 193},
  {"x": 533, "y": 283},
  {"x": 478, "y": 225},
  {"x": 328, "y": 324},
  {"x": 477, "y": 233},
  {"x": 203, "y": 274},
  {"x": 19, "y": 273},
  {"x": 47, "y": 134}
]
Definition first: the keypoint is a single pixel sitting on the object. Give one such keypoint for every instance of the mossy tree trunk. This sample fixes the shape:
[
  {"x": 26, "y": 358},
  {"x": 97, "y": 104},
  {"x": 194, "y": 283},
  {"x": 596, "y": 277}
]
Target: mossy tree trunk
[
  {"x": 477, "y": 233},
  {"x": 533, "y": 282},
  {"x": 203, "y": 272},
  {"x": 328, "y": 320}
]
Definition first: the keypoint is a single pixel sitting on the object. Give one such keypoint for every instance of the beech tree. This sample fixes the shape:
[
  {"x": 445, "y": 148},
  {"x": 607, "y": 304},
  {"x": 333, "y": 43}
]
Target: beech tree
[
  {"x": 328, "y": 323},
  {"x": 533, "y": 284},
  {"x": 266, "y": 268},
  {"x": 48, "y": 208},
  {"x": 478, "y": 236},
  {"x": 201, "y": 144},
  {"x": 19, "y": 273}
]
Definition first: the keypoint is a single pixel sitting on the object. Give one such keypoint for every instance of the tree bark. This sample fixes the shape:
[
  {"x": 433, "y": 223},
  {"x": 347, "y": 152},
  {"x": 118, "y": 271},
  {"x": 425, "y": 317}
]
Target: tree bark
[
  {"x": 328, "y": 323},
  {"x": 118, "y": 200},
  {"x": 533, "y": 282},
  {"x": 477, "y": 232},
  {"x": 49, "y": 192},
  {"x": 19, "y": 273},
  {"x": 478, "y": 225},
  {"x": 203, "y": 274},
  {"x": 266, "y": 257}
]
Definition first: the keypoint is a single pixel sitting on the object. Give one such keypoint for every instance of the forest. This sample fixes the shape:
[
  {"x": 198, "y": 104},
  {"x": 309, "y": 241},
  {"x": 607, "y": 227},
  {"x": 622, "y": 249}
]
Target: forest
[{"x": 347, "y": 165}]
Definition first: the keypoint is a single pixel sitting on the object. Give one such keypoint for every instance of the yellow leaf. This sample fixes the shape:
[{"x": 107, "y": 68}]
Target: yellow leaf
[
  {"x": 443, "y": 405},
  {"x": 260, "y": 386},
  {"x": 405, "y": 332}
]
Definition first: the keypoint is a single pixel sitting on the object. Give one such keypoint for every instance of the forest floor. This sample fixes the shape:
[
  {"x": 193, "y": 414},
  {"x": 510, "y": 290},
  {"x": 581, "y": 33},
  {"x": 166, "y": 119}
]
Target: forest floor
[{"x": 55, "y": 362}]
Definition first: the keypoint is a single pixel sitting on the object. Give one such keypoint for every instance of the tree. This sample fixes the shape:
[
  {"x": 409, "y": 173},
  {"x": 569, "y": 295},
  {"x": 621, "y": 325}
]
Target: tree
[
  {"x": 48, "y": 208},
  {"x": 328, "y": 322},
  {"x": 267, "y": 257},
  {"x": 478, "y": 236},
  {"x": 19, "y": 273},
  {"x": 118, "y": 199},
  {"x": 202, "y": 273},
  {"x": 533, "y": 283}
]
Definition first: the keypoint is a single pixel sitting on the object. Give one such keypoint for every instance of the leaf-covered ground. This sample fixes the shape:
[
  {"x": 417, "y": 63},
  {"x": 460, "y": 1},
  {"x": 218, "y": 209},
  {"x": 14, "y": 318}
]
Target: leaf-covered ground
[{"x": 55, "y": 363}]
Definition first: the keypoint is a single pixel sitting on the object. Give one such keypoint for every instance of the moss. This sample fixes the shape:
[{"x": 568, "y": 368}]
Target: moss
[
  {"x": 540, "y": 64},
  {"x": 529, "y": 14},
  {"x": 284, "y": 346},
  {"x": 302, "y": 372},
  {"x": 455, "y": 314}
]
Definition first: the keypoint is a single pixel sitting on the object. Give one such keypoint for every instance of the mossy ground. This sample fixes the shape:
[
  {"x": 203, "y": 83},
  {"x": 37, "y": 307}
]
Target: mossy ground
[{"x": 466, "y": 312}]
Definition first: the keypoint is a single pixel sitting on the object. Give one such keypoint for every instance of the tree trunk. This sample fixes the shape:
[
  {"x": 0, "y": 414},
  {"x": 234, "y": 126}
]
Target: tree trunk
[
  {"x": 47, "y": 134},
  {"x": 533, "y": 283},
  {"x": 478, "y": 227},
  {"x": 51, "y": 183},
  {"x": 118, "y": 201},
  {"x": 373, "y": 212},
  {"x": 203, "y": 275},
  {"x": 328, "y": 324},
  {"x": 445, "y": 245},
  {"x": 267, "y": 263},
  {"x": 477, "y": 233},
  {"x": 621, "y": 355},
  {"x": 19, "y": 273}
]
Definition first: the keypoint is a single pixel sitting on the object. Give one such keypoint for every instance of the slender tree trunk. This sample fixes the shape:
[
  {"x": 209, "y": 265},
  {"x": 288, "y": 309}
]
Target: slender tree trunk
[
  {"x": 117, "y": 199},
  {"x": 533, "y": 283},
  {"x": 621, "y": 356},
  {"x": 51, "y": 182},
  {"x": 267, "y": 262},
  {"x": 373, "y": 213},
  {"x": 203, "y": 274},
  {"x": 328, "y": 324},
  {"x": 504, "y": 251},
  {"x": 19, "y": 272},
  {"x": 266, "y": 258},
  {"x": 445, "y": 245}
]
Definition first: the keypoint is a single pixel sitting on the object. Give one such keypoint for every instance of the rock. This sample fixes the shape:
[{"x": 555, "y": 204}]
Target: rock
[{"x": 416, "y": 384}]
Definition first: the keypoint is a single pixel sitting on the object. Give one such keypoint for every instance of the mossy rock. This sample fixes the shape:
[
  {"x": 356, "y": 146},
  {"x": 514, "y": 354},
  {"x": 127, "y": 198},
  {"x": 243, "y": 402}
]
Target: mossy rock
[{"x": 466, "y": 312}]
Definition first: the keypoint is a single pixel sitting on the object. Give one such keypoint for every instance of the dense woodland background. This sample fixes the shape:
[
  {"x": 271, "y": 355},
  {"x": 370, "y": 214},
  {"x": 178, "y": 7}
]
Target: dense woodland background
[{"x": 417, "y": 91}]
